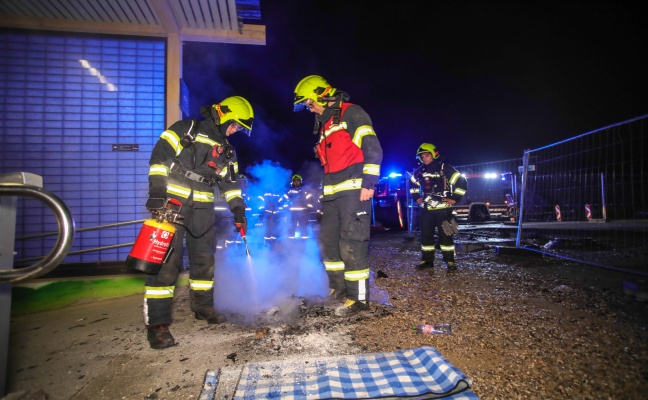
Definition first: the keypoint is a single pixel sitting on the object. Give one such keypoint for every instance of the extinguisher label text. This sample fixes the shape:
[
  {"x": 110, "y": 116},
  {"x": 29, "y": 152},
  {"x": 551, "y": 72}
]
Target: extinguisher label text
[{"x": 152, "y": 244}]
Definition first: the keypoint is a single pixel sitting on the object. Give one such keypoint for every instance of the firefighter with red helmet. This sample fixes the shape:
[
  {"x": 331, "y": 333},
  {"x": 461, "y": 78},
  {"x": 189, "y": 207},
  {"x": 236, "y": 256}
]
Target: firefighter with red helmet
[
  {"x": 350, "y": 153},
  {"x": 190, "y": 158},
  {"x": 436, "y": 187}
]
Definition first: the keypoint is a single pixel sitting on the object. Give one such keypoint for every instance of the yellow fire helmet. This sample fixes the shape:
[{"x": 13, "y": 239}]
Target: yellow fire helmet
[
  {"x": 312, "y": 87},
  {"x": 297, "y": 178},
  {"x": 237, "y": 109},
  {"x": 427, "y": 148}
]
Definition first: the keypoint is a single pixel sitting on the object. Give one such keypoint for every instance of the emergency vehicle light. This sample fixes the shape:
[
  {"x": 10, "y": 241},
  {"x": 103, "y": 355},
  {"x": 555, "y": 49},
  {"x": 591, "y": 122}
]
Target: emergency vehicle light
[{"x": 394, "y": 175}]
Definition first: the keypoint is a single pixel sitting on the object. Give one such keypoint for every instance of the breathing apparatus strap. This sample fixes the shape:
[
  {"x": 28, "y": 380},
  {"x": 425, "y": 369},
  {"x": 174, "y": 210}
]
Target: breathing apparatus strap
[
  {"x": 337, "y": 112},
  {"x": 177, "y": 168},
  {"x": 188, "y": 139},
  {"x": 317, "y": 127}
]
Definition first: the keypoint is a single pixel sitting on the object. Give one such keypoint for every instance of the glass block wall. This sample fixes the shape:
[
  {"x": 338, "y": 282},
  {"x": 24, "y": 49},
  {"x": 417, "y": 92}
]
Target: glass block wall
[{"x": 83, "y": 113}]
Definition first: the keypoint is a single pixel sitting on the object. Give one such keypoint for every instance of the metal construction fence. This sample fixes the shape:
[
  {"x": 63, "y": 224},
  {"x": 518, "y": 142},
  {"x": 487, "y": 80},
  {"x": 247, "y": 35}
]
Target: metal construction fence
[{"x": 585, "y": 198}]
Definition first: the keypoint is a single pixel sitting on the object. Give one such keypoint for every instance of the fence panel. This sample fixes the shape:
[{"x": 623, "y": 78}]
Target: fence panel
[{"x": 585, "y": 198}]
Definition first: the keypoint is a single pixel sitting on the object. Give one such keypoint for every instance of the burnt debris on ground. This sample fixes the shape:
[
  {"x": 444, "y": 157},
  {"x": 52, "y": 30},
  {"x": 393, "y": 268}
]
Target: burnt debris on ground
[{"x": 522, "y": 327}]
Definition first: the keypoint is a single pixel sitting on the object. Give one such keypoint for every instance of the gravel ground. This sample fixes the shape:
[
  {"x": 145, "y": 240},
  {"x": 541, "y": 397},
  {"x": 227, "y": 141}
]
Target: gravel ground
[{"x": 524, "y": 326}]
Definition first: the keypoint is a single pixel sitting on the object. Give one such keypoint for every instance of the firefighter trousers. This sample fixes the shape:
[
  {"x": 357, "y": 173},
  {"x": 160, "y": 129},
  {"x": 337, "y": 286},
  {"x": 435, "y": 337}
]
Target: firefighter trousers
[
  {"x": 159, "y": 288},
  {"x": 344, "y": 244},
  {"x": 439, "y": 220}
]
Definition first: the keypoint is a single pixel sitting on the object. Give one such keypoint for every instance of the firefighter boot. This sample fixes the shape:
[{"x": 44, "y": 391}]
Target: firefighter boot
[
  {"x": 451, "y": 267},
  {"x": 210, "y": 315},
  {"x": 352, "y": 307},
  {"x": 336, "y": 296},
  {"x": 159, "y": 336},
  {"x": 425, "y": 265}
]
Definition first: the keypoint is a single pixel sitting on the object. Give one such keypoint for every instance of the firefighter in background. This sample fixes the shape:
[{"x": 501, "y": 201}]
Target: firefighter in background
[
  {"x": 271, "y": 217},
  {"x": 437, "y": 186},
  {"x": 255, "y": 203},
  {"x": 350, "y": 153},
  {"x": 188, "y": 160},
  {"x": 297, "y": 205},
  {"x": 319, "y": 205}
]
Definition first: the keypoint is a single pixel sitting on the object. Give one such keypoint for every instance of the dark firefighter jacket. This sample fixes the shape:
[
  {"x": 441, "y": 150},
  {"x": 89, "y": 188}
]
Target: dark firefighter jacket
[
  {"x": 435, "y": 181},
  {"x": 297, "y": 199},
  {"x": 348, "y": 150},
  {"x": 183, "y": 173}
]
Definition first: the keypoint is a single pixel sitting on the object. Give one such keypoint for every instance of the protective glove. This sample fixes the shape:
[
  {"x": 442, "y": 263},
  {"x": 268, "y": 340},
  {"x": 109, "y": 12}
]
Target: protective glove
[
  {"x": 155, "y": 205},
  {"x": 240, "y": 222},
  {"x": 450, "y": 227},
  {"x": 431, "y": 201},
  {"x": 446, "y": 195}
]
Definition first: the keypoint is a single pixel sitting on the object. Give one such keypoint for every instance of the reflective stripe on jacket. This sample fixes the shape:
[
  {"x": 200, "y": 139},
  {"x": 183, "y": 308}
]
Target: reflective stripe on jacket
[
  {"x": 349, "y": 150},
  {"x": 165, "y": 181},
  {"x": 438, "y": 179}
]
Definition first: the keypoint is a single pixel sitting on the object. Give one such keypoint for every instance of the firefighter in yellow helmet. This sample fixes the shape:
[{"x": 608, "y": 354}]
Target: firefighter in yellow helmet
[
  {"x": 189, "y": 160},
  {"x": 436, "y": 187},
  {"x": 296, "y": 205},
  {"x": 350, "y": 153}
]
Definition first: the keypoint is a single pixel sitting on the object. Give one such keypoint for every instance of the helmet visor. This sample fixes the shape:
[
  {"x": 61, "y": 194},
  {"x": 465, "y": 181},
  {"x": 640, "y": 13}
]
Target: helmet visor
[
  {"x": 241, "y": 128},
  {"x": 300, "y": 106},
  {"x": 244, "y": 126},
  {"x": 307, "y": 104}
]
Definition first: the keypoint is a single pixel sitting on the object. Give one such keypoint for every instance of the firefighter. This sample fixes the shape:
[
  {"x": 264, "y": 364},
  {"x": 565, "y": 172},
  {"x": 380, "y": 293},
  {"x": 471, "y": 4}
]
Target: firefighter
[
  {"x": 436, "y": 187},
  {"x": 270, "y": 217},
  {"x": 350, "y": 154},
  {"x": 297, "y": 204},
  {"x": 190, "y": 158}
]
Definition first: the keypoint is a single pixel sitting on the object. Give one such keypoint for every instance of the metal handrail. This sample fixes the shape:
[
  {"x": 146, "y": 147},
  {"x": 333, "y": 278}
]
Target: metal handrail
[
  {"x": 90, "y": 228},
  {"x": 72, "y": 253},
  {"x": 65, "y": 232},
  {"x": 91, "y": 250}
]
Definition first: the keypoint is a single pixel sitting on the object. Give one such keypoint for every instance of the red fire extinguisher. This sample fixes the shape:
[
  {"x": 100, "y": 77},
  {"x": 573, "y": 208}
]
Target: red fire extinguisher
[{"x": 153, "y": 244}]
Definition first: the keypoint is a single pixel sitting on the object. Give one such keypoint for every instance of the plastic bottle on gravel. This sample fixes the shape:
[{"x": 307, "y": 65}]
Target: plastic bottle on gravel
[{"x": 442, "y": 329}]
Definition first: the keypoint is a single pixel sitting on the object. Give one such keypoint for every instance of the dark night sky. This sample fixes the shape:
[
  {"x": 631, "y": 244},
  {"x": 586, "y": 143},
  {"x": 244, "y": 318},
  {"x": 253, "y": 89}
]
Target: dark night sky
[{"x": 483, "y": 81}]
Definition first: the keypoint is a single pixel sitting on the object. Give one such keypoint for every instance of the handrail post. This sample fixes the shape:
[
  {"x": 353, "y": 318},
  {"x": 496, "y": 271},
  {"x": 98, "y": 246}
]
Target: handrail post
[
  {"x": 7, "y": 242},
  {"x": 7, "y": 239}
]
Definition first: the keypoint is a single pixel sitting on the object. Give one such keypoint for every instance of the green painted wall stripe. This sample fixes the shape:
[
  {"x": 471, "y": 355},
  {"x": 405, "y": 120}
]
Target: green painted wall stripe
[{"x": 53, "y": 295}]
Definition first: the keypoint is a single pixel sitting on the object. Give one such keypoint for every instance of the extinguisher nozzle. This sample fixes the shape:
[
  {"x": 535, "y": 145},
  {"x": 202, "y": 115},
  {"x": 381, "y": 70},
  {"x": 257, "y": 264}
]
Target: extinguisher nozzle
[{"x": 247, "y": 249}]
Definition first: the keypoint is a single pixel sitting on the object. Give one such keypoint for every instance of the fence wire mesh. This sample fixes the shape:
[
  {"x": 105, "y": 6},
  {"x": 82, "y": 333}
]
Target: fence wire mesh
[{"x": 585, "y": 198}]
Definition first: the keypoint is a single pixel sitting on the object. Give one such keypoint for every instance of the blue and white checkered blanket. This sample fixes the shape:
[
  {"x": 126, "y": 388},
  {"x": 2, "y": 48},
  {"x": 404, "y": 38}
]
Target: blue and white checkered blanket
[{"x": 421, "y": 373}]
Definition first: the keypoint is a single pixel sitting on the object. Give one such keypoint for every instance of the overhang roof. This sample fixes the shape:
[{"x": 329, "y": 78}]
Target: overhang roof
[{"x": 192, "y": 20}]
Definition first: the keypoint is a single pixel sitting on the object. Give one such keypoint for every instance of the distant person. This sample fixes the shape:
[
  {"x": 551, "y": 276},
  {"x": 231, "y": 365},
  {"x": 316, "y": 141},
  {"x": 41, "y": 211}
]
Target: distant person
[
  {"x": 437, "y": 186},
  {"x": 270, "y": 217},
  {"x": 189, "y": 159},
  {"x": 297, "y": 204},
  {"x": 350, "y": 153},
  {"x": 255, "y": 203}
]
